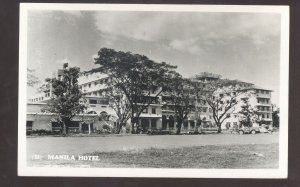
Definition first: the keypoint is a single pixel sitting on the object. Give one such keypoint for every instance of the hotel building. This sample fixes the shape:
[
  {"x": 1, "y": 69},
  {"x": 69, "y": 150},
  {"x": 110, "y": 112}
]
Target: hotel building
[{"x": 160, "y": 114}]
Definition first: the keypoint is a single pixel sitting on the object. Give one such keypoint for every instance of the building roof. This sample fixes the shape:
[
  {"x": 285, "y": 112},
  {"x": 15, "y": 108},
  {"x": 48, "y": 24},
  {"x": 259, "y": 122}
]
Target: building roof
[
  {"x": 208, "y": 75},
  {"x": 255, "y": 87}
]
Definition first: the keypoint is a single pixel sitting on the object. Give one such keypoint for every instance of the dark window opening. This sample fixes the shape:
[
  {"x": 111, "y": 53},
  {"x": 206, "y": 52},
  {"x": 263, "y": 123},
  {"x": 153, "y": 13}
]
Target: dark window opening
[
  {"x": 153, "y": 111},
  {"x": 29, "y": 125},
  {"x": 93, "y": 101},
  {"x": 55, "y": 126}
]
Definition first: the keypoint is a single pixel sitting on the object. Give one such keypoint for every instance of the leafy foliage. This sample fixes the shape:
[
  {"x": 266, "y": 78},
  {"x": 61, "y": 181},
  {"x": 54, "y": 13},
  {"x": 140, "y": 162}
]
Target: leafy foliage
[
  {"x": 140, "y": 79},
  {"x": 181, "y": 96},
  {"x": 249, "y": 114},
  {"x": 275, "y": 118},
  {"x": 66, "y": 96},
  {"x": 119, "y": 103},
  {"x": 222, "y": 95}
]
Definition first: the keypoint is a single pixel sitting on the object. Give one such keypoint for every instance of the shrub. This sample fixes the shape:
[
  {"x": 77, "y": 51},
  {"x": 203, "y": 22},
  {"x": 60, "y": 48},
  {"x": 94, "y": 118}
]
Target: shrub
[{"x": 42, "y": 132}]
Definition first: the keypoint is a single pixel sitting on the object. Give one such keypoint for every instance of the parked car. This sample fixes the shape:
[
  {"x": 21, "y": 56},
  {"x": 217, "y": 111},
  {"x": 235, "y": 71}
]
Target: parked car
[{"x": 254, "y": 130}]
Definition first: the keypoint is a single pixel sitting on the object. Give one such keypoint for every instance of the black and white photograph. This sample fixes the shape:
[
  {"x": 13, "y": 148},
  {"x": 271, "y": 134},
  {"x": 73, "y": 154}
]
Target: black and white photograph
[{"x": 177, "y": 91}]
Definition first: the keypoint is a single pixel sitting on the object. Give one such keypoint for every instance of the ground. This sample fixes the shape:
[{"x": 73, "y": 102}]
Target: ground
[{"x": 161, "y": 151}]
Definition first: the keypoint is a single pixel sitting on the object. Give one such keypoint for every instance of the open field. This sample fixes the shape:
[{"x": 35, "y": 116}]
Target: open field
[{"x": 168, "y": 151}]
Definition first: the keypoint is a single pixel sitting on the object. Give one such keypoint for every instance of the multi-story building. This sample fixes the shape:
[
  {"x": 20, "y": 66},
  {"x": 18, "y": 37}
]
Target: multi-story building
[
  {"x": 91, "y": 85},
  {"x": 259, "y": 100},
  {"x": 202, "y": 79},
  {"x": 160, "y": 114},
  {"x": 89, "y": 121}
]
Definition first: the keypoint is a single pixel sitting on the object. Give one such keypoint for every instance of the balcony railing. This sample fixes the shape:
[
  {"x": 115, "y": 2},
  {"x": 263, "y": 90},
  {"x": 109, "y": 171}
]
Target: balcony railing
[
  {"x": 263, "y": 95},
  {"x": 264, "y": 103}
]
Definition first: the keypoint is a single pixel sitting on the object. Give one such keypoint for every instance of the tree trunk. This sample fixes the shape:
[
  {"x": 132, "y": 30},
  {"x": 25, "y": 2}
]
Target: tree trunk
[
  {"x": 119, "y": 127},
  {"x": 197, "y": 125},
  {"x": 132, "y": 128},
  {"x": 178, "y": 128},
  {"x": 179, "y": 124},
  {"x": 64, "y": 129},
  {"x": 219, "y": 128}
]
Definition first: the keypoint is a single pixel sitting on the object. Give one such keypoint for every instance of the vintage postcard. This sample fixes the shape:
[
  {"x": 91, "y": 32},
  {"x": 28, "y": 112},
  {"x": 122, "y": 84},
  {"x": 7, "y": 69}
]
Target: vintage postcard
[{"x": 175, "y": 91}]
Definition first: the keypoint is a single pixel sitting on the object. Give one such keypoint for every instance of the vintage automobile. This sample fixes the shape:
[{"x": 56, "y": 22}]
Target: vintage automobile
[{"x": 254, "y": 130}]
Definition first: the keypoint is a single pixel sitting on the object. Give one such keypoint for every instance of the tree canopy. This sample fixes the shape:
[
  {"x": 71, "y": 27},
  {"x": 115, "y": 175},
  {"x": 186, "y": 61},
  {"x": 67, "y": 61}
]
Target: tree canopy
[
  {"x": 248, "y": 114},
  {"x": 66, "y": 97},
  {"x": 222, "y": 96},
  {"x": 139, "y": 78},
  {"x": 182, "y": 96}
]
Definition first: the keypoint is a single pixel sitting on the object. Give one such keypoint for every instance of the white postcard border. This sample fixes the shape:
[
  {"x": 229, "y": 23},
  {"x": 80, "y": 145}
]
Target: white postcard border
[{"x": 281, "y": 172}]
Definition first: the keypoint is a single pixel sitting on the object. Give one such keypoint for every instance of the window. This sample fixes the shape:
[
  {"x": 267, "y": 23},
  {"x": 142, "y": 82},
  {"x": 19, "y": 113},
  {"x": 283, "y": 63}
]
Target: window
[
  {"x": 103, "y": 101},
  {"x": 93, "y": 101},
  {"x": 210, "y": 110},
  {"x": 145, "y": 110},
  {"x": 235, "y": 124},
  {"x": 204, "y": 109},
  {"x": 89, "y": 85},
  {"x": 263, "y": 116},
  {"x": 227, "y": 125},
  {"x": 29, "y": 125},
  {"x": 55, "y": 126},
  {"x": 153, "y": 110},
  {"x": 267, "y": 115}
]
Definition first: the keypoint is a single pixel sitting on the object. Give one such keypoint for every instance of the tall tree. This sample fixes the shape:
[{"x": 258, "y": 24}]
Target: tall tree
[
  {"x": 119, "y": 103},
  {"x": 275, "y": 117},
  {"x": 222, "y": 96},
  {"x": 66, "y": 97},
  {"x": 182, "y": 96},
  {"x": 140, "y": 79},
  {"x": 198, "y": 92},
  {"x": 248, "y": 113}
]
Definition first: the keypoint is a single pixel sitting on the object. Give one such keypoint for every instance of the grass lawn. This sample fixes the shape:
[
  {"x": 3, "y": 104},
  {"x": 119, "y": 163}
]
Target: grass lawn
[{"x": 208, "y": 156}]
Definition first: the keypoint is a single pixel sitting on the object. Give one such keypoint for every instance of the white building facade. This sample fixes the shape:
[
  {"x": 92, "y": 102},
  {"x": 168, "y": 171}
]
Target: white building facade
[{"x": 160, "y": 114}]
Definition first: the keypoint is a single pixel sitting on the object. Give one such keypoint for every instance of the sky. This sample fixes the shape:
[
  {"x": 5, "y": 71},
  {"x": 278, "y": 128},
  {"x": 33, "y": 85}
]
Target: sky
[{"x": 243, "y": 46}]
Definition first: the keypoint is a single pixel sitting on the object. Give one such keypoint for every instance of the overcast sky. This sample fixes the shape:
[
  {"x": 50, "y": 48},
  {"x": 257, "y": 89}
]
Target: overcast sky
[{"x": 244, "y": 46}]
